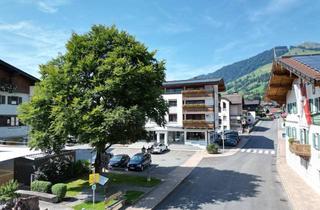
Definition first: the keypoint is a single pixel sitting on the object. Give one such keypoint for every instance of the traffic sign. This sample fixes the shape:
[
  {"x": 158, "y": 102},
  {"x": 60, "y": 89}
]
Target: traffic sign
[
  {"x": 93, "y": 178},
  {"x": 94, "y": 187}
]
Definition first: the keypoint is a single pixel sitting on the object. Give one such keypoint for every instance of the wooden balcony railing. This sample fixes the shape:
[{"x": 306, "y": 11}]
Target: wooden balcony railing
[
  {"x": 197, "y": 108},
  {"x": 197, "y": 124},
  {"x": 197, "y": 93},
  {"x": 5, "y": 176},
  {"x": 303, "y": 150}
]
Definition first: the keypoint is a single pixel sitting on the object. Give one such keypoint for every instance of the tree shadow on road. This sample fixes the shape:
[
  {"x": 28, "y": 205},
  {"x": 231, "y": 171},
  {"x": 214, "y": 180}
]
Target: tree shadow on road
[
  {"x": 209, "y": 186},
  {"x": 259, "y": 142}
]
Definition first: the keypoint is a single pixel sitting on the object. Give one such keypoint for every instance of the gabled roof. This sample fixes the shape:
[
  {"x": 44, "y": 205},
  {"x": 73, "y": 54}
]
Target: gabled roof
[
  {"x": 288, "y": 68},
  {"x": 251, "y": 102},
  {"x": 180, "y": 83},
  {"x": 14, "y": 69},
  {"x": 233, "y": 98}
]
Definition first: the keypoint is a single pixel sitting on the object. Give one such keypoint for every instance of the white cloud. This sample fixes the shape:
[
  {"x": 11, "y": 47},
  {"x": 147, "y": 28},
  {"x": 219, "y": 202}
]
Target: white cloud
[
  {"x": 47, "y": 6},
  {"x": 272, "y": 8},
  {"x": 26, "y": 45}
]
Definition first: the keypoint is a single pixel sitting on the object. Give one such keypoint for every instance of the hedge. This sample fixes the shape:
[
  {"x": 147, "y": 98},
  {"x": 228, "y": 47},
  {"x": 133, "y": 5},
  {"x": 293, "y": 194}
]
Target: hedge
[
  {"x": 41, "y": 186},
  {"x": 59, "y": 190}
]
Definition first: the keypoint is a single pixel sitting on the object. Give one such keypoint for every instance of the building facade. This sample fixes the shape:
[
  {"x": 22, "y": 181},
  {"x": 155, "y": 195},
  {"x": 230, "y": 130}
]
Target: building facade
[
  {"x": 193, "y": 112},
  {"x": 231, "y": 112},
  {"x": 295, "y": 83},
  {"x": 16, "y": 87}
]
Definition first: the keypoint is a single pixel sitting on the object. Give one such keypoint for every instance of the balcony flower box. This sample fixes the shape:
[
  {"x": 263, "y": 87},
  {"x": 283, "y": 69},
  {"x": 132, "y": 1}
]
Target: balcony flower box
[
  {"x": 197, "y": 124},
  {"x": 196, "y": 93},
  {"x": 302, "y": 150},
  {"x": 197, "y": 107}
]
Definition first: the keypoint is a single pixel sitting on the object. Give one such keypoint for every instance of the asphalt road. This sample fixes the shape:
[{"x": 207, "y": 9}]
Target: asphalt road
[{"x": 247, "y": 180}]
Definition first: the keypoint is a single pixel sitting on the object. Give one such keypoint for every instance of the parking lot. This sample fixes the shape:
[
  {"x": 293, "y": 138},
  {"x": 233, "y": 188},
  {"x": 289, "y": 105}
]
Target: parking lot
[{"x": 161, "y": 165}]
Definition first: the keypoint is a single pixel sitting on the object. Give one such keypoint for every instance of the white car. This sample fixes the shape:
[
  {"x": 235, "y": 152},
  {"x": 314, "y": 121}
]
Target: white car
[{"x": 159, "y": 148}]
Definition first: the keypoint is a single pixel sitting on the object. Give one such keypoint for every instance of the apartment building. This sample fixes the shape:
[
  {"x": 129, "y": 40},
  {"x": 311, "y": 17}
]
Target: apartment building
[
  {"x": 193, "y": 111},
  {"x": 230, "y": 114},
  {"x": 15, "y": 88},
  {"x": 295, "y": 83}
]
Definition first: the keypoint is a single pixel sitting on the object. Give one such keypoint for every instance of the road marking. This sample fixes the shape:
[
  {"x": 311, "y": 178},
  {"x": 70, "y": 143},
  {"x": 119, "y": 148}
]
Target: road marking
[
  {"x": 273, "y": 152},
  {"x": 254, "y": 151},
  {"x": 242, "y": 150},
  {"x": 266, "y": 152},
  {"x": 260, "y": 151},
  {"x": 248, "y": 150}
]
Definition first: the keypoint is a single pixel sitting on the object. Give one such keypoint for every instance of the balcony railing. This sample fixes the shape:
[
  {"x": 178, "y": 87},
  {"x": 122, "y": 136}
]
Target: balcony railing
[
  {"x": 303, "y": 150},
  {"x": 197, "y": 93},
  {"x": 197, "y": 124},
  {"x": 197, "y": 108}
]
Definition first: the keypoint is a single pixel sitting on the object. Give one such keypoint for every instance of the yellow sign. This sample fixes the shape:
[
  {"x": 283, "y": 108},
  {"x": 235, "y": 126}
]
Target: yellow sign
[{"x": 93, "y": 178}]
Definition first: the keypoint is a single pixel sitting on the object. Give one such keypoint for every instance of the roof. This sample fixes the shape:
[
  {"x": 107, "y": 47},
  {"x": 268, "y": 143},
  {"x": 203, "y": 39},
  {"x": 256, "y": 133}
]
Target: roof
[
  {"x": 234, "y": 98},
  {"x": 288, "y": 68},
  {"x": 251, "y": 102},
  {"x": 14, "y": 69},
  {"x": 177, "y": 83}
]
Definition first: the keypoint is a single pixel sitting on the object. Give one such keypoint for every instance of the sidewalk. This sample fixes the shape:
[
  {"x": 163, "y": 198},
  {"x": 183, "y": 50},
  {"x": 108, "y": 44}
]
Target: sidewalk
[
  {"x": 174, "y": 179},
  {"x": 301, "y": 196}
]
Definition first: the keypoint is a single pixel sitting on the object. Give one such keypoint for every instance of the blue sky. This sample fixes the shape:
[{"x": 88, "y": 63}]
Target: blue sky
[{"x": 193, "y": 36}]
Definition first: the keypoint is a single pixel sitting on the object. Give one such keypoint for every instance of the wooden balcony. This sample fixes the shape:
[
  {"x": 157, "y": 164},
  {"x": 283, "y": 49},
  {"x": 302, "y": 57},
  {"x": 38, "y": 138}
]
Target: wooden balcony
[
  {"x": 302, "y": 150},
  {"x": 197, "y": 124},
  {"x": 197, "y": 108},
  {"x": 5, "y": 176},
  {"x": 197, "y": 93}
]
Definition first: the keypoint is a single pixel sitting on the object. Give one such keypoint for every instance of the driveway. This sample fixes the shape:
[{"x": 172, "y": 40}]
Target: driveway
[{"x": 162, "y": 164}]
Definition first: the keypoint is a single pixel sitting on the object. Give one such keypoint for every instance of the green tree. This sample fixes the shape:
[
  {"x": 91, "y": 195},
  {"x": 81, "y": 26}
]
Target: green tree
[{"x": 101, "y": 91}]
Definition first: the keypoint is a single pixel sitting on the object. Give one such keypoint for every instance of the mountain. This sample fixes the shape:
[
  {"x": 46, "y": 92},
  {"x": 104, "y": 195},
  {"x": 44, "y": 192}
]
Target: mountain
[
  {"x": 241, "y": 68},
  {"x": 250, "y": 76}
]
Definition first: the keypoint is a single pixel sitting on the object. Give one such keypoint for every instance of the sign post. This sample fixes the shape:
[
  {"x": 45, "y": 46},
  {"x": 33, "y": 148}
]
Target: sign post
[{"x": 93, "y": 187}]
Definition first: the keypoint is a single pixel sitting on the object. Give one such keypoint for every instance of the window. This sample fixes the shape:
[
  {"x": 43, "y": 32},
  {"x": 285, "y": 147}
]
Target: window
[
  {"x": 173, "y": 90},
  {"x": 14, "y": 100},
  {"x": 172, "y": 117},
  {"x": 294, "y": 132},
  {"x": 316, "y": 105},
  {"x": 2, "y": 99},
  {"x": 224, "y": 105},
  {"x": 195, "y": 117},
  {"x": 172, "y": 103},
  {"x": 316, "y": 141},
  {"x": 195, "y": 136},
  {"x": 311, "y": 107},
  {"x": 6, "y": 121},
  {"x": 195, "y": 101}
]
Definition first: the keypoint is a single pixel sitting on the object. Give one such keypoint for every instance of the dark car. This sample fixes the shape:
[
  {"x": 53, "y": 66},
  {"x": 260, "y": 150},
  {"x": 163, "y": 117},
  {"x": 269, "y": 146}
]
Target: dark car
[
  {"x": 232, "y": 135},
  {"x": 231, "y": 141},
  {"x": 119, "y": 161},
  {"x": 139, "y": 161}
]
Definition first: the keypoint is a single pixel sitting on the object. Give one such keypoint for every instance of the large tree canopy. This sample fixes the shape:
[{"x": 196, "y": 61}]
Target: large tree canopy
[{"x": 101, "y": 91}]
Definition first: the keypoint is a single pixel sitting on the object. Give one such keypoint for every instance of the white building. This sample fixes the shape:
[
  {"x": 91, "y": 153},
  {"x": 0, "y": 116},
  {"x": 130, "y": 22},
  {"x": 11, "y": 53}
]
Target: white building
[
  {"x": 231, "y": 112},
  {"x": 193, "y": 111},
  {"x": 295, "y": 82},
  {"x": 16, "y": 87}
]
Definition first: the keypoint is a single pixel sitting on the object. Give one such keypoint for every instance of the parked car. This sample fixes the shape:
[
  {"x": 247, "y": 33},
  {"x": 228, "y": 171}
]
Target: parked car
[
  {"x": 232, "y": 135},
  {"x": 119, "y": 161},
  {"x": 139, "y": 161},
  {"x": 159, "y": 148},
  {"x": 231, "y": 141}
]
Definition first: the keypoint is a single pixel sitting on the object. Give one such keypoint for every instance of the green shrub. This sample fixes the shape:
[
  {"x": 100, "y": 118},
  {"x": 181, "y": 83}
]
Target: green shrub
[
  {"x": 291, "y": 140},
  {"x": 41, "y": 186},
  {"x": 81, "y": 167},
  {"x": 59, "y": 190},
  {"x": 212, "y": 148},
  {"x": 7, "y": 190}
]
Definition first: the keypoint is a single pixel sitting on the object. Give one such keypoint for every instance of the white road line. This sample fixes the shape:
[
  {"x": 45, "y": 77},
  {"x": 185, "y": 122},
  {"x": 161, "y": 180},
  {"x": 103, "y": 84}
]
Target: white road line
[
  {"x": 266, "y": 152},
  {"x": 260, "y": 151},
  {"x": 248, "y": 150},
  {"x": 273, "y": 152},
  {"x": 254, "y": 151},
  {"x": 242, "y": 150}
]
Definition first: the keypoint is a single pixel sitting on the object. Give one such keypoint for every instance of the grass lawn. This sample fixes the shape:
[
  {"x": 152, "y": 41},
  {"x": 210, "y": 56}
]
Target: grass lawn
[
  {"x": 132, "y": 196},
  {"x": 76, "y": 186},
  {"x": 88, "y": 206}
]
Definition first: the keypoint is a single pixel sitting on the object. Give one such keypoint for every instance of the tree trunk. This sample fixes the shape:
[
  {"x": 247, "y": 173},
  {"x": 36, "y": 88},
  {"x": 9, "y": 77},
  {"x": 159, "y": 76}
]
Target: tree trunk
[{"x": 97, "y": 163}]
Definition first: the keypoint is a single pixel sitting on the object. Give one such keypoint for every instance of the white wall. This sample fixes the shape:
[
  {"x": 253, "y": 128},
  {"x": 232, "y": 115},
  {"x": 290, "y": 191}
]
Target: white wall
[
  {"x": 8, "y": 109},
  {"x": 308, "y": 170},
  {"x": 224, "y": 114}
]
